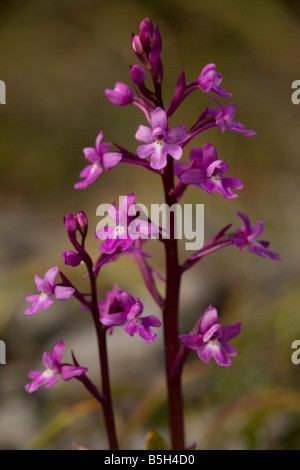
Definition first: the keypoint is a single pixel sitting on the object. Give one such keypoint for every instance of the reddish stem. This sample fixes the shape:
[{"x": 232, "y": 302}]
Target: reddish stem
[
  {"x": 104, "y": 370},
  {"x": 170, "y": 316}
]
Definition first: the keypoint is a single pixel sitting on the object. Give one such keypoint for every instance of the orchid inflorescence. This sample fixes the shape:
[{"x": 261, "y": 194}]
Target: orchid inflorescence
[{"x": 159, "y": 150}]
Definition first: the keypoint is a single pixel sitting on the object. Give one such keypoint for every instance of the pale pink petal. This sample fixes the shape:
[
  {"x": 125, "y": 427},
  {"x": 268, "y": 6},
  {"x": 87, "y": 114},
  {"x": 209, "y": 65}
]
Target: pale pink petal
[
  {"x": 110, "y": 160},
  {"x": 159, "y": 119},
  {"x": 144, "y": 134},
  {"x": 176, "y": 134}
]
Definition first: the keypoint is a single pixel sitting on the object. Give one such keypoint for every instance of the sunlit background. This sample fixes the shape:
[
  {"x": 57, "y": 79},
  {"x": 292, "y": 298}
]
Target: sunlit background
[{"x": 57, "y": 57}]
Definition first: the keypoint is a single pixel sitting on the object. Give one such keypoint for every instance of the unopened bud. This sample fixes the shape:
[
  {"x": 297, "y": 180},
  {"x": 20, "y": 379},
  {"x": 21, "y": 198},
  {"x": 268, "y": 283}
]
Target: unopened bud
[
  {"x": 138, "y": 74},
  {"x": 71, "y": 258},
  {"x": 146, "y": 34},
  {"x": 71, "y": 224},
  {"x": 137, "y": 45},
  {"x": 82, "y": 222},
  {"x": 121, "y": 95}
]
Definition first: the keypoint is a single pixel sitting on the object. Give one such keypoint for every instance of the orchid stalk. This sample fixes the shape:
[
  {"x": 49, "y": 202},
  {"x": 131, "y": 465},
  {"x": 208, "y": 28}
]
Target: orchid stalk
[{"x": 160, "y": 149}]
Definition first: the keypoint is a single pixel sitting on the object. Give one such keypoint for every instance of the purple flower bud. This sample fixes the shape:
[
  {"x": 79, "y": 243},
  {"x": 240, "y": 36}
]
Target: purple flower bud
[
  {"x": 120, "y": 95},
  {"x": 71, "y": 258},
  {"x": 82, "y": 222},
  {"x": 71, "y": 224},
  {"x": 137, "y": 45},
  {"x": 138, "y": 74},
  {"x": 146, "y": 34}
]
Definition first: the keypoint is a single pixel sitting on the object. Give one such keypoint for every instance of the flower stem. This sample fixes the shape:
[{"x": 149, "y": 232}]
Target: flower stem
[
  {"x": 170, "y": 316},
  {"x": 104, "y": 370}
]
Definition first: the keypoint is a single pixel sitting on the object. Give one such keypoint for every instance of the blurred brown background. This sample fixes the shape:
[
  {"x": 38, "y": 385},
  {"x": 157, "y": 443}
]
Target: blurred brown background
[{"x": 57, "y": 57}]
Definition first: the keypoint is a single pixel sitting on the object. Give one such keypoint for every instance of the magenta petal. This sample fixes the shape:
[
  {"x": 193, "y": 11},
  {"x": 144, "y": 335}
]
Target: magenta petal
[
  {"x": 233, "y": 182},
  {"x": 125, "y": 244},
  {"x": 159, "y": 119},
  {"x": 87, "y": 170},
  {"x": 209, "y": 154},
  {"x": 51, "y": 275},
  {"x": 49, "y": 362},
  {"x": 191, "y": 341},
  {"x": 193, "y": 176},
  {"x": 144, "y": 151},
  {"x": 131, "y": 328},
  {"x": 42, "y": 301},
  {"x": 142, "y": 229},
  {"x": 245, "y": 220},
  {"x": 256, "y": 231},
  {"x": 57, "y": 351},
  {"x": 98, "y": 141},
  {"x": 41, "y": 283},
  {"x": 209, "y": 318},
  {"x": 113, "y": 213},
  {"x": 225, "y": 191},
  {"x": 34, "y": 374},
  {"x": 144, "y": 134},
  {"x": 69, "y": 372},
  {"x": 159, "y": 156},
  {"x": 204, "y": 353},
  {"x": 179, "y": 167},
  {"x": 36, "y": 383},
  {"x": 114, "y": 319},
  {"x": 151, "y": 320},
  {"x": 212, "y": 167},
  {"x": 44, "y": 286},
  {"x": 32, "y": 298},
  {"x": 110, "y": 160},
  {"x": 125, "y": 204},
  {"x": 214, "y": 330},
  {"x": 220, "y": 357},
  {"x": 176, "y": 134},
  {"x": 196, "y": 153},
  {"x": 103, "y": 148},
  {"x": 51, "y": 381},
  {"x": 229, "y": 111},
  {"x": 90, "y": 173},
  {"x": 174, "y": 150},
  {"x": 135, "y": 310},
  {"x": 105, "y": 232},
  {"x": 91, "y": 155},
  {"x": 110, "y": 245},
  {"x": 145, "y": 333},
  {"x": 63, "y": 293},
  {"x": 127, "y": 300},
  {"x": 229, "y": 349}
]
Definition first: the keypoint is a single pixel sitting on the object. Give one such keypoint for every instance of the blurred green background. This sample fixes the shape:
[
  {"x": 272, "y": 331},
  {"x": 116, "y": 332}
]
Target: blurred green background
[{"x": 57, "y": 57}]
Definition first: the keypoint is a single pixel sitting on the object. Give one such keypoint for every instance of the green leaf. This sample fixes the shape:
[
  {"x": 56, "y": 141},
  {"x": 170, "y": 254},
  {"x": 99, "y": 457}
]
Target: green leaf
[{"x": 154, "y": 441}]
